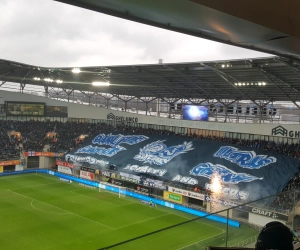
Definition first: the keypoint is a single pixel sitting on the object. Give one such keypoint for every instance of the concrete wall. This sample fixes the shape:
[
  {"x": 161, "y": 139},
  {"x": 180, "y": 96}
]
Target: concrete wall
[{"x": 261, "y": 220}]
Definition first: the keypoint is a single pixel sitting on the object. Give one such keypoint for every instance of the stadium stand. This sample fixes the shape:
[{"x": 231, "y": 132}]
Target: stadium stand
[
  {"x": 34, "y": 136},
  {"x": 67, "y": 138},
  {"x": 8, "y": 145}
]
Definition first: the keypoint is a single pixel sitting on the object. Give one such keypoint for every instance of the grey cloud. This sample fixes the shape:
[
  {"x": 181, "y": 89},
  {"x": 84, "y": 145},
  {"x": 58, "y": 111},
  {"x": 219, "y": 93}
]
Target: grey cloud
[{"x": 49, "y": 33}]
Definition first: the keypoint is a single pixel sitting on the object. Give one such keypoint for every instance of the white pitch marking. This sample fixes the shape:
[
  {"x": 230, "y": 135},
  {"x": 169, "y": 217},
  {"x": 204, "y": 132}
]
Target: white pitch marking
[
  {"x": 94, "y": 198},
  {"x": 65, "y": 210},
  {"x": 199, "y": 241},
  {"x": 35, "y": 186},
  {"x": 199, "y": 220},
  {"x": 103, "y": 200},
  {"x": 46, "y": 211},
  {"x": 143, "y": 221}
]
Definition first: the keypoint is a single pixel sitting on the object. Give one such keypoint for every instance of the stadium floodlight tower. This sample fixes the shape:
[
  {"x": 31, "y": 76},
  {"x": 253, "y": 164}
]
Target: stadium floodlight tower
[{"x": 114, "y": 189}]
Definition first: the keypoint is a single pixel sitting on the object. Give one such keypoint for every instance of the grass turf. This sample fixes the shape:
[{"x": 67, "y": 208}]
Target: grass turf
[{"x": 37, "y": 211}]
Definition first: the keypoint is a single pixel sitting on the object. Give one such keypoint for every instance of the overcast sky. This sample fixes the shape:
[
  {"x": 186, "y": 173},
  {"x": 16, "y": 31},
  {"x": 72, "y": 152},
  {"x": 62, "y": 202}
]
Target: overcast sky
[{"x": 48, "y": 33}]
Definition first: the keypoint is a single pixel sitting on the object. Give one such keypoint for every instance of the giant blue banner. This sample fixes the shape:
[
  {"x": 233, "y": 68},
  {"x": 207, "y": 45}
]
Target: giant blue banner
[{"x": 252, "y": 172}]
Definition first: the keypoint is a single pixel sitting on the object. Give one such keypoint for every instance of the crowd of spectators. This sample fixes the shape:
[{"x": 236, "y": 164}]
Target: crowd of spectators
[
  {"x": 286, "y": 200},
  {"x": 292, "y": 150},
  {"x": 67, "y": 138},
  {"x": 34, "y": 136},
  {"x": 33, "y": 133},
  {"x": 68, "y": 135},
  {"x": 8, "y": 145}
]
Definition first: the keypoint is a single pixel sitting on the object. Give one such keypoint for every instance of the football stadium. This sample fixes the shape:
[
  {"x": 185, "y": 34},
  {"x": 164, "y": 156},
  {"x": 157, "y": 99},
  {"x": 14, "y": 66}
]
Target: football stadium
[{"x": 196, "y": 155}]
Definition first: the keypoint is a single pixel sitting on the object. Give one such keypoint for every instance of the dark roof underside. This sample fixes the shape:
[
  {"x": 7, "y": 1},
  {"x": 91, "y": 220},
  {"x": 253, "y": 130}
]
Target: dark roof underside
[
  {"x": 201, "y": 80},
  {"x": 194, "y": 18}
]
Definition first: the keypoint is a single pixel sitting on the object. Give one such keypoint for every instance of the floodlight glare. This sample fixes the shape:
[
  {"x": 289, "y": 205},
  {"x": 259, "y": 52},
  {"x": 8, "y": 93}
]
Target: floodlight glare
[
  {"x": 36, "y": 78},
  {"x": 240, "y": 84},
  {"x": 48, "y": 80},
  {"x": 76, "y": 70},
  {"x": 100, "y": 83},
  {"x": 263, "y": 83},
  {"x": 59, "y": 81},
  {"x": 243, "y": 84},
  {"x": 259, "y": 83}
]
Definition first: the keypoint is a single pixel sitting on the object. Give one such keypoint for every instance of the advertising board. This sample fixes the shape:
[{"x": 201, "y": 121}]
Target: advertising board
[
  {"x": 64, "y": 164},
  {"x": 172, "y": 197},
  {"x": 153, "y": 183},
  {"x": 63, "y": 169},
  {"x": 130, "y": 177},
  {"x": 47, "y": 154},
  {"x": 87, "y": 175},
  {"x": 8, "y": 163},
  {"x": 265, "y": 212},
  {"x": 187, "y": 193}
]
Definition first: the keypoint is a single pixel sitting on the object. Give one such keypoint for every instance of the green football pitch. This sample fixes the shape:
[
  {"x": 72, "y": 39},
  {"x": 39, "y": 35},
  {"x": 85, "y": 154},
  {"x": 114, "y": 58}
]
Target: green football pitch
[{"x": 38, "y": 211}]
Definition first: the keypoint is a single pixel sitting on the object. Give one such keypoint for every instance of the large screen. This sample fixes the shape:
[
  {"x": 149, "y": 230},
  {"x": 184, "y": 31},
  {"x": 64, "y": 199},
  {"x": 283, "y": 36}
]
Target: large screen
[
  {"x": 195, "y": 113},
  {"x": 25, "y": 108}
]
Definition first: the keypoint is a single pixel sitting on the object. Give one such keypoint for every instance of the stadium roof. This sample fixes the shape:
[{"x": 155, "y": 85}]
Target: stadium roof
[
  {"x": 267, "y": 26},
  {"x": 268, "y": 79}
]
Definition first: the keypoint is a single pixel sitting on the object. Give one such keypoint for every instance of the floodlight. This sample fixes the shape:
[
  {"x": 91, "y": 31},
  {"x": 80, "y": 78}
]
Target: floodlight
[
  {"x": 59, "y": 81},
  {"x": 235, "y": 84},
  {"x": 48, "y": 80},
  {"x": 100, "y": 83},
  {"x": 36, "y": 78},
  {"x": 223, "y": 66},
  {"x": 243, "y": 84},
  {"x": 263, "y": 83},
  {"x": 240, "y": 84},
  {"x": 259, "y": 83},
  {"x": 76, "y": 70}
]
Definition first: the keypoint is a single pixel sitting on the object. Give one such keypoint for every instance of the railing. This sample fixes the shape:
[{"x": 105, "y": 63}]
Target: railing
[
  {"x": 290, "y": 117},
  {"x": 246, "y": 242}
]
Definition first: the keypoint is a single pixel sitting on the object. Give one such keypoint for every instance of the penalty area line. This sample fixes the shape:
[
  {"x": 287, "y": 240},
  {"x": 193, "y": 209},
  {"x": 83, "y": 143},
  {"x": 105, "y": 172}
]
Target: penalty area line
[
  {"x": 153, "y": 218},
  {"x": 64, "y": 210},
  {"x": 94, "y": 198},
  {"x": 44, "y": 211}
]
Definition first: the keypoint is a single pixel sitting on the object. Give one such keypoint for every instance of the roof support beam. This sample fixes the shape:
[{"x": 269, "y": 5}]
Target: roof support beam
[
  {"x": 226, "y": 104},
  {"x": 273, "y": 78},
  {"x": 88, "y": 94},
  {"x": 193, "y": 82},
  {"x": 226, "y": 77},
  {"x": 22, "y": 86},
  {"x": 161, "y": 84},
  {"x": 68, "y": 93}
]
